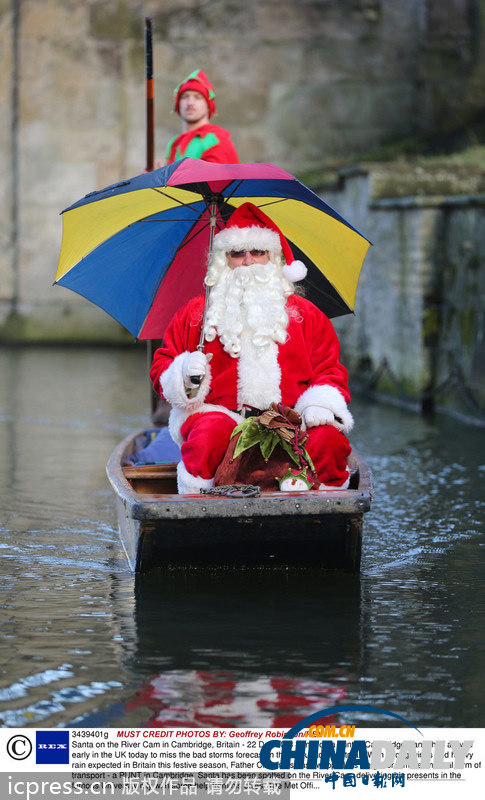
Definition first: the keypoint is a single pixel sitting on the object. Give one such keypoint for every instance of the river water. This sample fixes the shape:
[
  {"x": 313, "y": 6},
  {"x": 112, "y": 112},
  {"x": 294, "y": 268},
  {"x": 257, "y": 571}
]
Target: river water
[{"x": 85, "y": 644}]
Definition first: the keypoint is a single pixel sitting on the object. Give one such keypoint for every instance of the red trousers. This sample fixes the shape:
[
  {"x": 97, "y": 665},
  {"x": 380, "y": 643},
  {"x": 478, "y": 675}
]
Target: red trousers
[{"x": 206, "y": 436}]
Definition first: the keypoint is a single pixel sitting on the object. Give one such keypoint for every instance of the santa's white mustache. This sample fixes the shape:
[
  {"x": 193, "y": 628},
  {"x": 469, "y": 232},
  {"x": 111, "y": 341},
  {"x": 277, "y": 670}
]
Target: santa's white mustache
[{"x": 253, "y": 273}]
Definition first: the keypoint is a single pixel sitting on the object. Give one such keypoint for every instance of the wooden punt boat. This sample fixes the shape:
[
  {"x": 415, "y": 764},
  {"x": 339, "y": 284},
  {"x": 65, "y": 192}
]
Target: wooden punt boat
[{"x": 159, "y": 527}]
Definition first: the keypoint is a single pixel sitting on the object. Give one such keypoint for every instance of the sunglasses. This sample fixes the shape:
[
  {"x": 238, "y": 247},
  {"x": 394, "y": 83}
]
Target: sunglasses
[{"x": 242, "y": 253}]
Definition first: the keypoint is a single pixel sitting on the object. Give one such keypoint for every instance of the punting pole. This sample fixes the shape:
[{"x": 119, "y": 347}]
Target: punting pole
[{"x": 150, "y": 154}]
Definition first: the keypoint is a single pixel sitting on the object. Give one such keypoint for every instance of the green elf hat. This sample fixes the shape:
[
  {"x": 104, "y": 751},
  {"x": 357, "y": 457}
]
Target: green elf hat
[{"x": 197, "y": 81}]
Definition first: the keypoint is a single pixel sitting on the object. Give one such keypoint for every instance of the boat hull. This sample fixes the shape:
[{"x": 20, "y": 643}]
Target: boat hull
[{"x": 161, "y": 528}]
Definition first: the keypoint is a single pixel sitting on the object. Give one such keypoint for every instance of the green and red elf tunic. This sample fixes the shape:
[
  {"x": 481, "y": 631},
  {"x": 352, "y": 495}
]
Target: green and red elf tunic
[{"x": 209, "y": 143}]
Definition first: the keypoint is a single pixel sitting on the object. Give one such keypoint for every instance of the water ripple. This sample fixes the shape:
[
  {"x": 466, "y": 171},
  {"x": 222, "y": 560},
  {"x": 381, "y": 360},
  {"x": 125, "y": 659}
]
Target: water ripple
[
  {"x": 20, "y": 689},
  {"x": 56, "y": 703}
]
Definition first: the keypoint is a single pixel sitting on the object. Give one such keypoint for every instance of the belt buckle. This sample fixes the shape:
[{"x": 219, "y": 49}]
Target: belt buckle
[{"x": 249, "y": 411}]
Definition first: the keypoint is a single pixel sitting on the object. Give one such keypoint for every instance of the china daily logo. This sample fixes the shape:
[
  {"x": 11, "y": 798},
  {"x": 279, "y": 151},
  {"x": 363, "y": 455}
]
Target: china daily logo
[
  {"x": 52, "y": 747},
  {"x": 316, "y": 750}
]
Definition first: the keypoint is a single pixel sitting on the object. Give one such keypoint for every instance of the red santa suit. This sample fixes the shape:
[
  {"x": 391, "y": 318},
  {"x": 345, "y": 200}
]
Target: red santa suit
[{"x": 304, "y": 371}]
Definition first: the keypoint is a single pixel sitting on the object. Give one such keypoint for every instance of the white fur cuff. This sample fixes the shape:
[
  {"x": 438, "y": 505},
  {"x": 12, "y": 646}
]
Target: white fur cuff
[
  {"x": 172, "y": 385},
  {"x": 191, "y": 484},
  {"x": 327, "y": 397}
]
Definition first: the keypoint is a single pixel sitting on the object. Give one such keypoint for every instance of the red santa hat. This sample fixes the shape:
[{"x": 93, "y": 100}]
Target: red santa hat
[
  {"x": 249, "y": 228},
  {"x": 197, "y": 81}
]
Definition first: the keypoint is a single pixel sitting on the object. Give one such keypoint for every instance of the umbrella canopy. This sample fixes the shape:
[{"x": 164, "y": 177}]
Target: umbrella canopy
[{"x": 138, "y": 249}]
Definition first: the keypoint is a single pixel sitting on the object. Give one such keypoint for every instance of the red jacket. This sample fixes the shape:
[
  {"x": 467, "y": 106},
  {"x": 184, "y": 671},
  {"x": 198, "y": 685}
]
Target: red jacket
[{"x": 209, "y": 143}]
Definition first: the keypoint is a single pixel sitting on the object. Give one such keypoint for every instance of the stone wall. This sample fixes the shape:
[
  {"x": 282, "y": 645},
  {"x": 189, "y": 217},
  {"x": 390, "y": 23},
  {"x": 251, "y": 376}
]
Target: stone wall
[
  {"x": 310, "y": 85},
  {"x": 458, "y": 339},
  {"x": 418, "y": 330}
]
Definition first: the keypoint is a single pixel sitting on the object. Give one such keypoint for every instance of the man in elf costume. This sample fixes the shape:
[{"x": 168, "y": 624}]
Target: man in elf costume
[
  {"x": 195, "y": 104},
  {"x": 263, "y": 344}
]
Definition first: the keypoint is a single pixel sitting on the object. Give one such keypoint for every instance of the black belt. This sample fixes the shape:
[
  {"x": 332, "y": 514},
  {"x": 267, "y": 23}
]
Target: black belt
[{"x": 248, "y": 411}]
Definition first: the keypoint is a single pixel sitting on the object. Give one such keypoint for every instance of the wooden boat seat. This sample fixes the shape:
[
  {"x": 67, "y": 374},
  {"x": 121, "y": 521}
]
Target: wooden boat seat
[
  {"x": 162, "y": 478},
  {"x": 152, "y": 478}
]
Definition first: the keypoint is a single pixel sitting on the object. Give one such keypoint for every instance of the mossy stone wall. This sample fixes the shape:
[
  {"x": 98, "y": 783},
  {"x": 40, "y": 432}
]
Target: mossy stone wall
[{"x": 418, "y": 333}]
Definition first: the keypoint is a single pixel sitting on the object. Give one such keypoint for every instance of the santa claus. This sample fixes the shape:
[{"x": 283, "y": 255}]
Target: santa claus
[{"x": 263, "y": 343}]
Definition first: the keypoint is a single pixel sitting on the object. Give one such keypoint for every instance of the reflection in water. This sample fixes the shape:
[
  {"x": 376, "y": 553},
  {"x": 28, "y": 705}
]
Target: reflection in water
[
  {"x": 244, "y": 648},
  {"x": 83, "y": 643},
  {"x": 194, "y": 698}
]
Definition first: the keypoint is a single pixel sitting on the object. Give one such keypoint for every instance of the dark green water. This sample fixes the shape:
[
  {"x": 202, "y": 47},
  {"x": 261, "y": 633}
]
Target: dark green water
[{"x": 83, "y": 643}]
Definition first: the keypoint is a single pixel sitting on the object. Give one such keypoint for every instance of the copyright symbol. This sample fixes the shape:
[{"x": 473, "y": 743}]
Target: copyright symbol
[{"x": 19, "y": 747}]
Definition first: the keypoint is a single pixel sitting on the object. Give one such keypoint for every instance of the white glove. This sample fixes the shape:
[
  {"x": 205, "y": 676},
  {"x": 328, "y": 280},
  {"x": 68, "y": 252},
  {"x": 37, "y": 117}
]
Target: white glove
[
  {"x": 316, "y": 415},
  {"x": 194, "y": 364}
]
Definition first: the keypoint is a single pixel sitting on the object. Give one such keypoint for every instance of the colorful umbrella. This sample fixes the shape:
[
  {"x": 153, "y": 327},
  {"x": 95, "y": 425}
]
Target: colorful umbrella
[{"x": 138, "y": 249}]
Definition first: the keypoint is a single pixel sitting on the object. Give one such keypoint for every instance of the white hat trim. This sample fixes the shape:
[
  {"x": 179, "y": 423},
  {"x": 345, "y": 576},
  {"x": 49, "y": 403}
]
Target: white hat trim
[{"x": 253, "y": 238}]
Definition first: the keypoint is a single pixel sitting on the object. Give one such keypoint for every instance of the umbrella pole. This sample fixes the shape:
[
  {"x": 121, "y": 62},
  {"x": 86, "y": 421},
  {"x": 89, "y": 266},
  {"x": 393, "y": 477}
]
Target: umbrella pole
[
  {"x": 197, "y": 379},
  {"x": 150, "y": 157},
  {"x": 213, "y": 220}
]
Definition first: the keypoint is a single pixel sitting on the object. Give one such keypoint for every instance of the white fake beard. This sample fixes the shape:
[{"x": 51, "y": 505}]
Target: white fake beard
[
  {"x": 246, "y": 310},
  {"x": 248, "y": 303}
]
